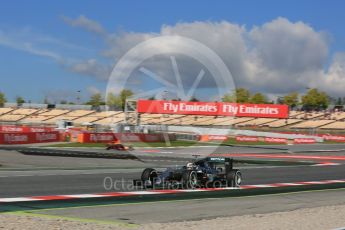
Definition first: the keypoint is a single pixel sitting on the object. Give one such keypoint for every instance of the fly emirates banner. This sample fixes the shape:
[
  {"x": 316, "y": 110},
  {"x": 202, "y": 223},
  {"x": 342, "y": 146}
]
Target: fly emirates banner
[{"x": 213, "y": 108}]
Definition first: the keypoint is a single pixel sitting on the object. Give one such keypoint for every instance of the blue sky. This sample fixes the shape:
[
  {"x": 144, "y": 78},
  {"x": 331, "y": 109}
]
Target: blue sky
[{"x": 33, "y": 32}]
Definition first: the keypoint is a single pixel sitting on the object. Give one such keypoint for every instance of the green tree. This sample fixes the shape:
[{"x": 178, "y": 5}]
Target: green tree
[
  {"x": 20, "y": 100},
  {"x": 314, "y": 99},
  {"x": 124, "y": 94},
  {"x": 339, "y": 101},
  {"x": 229, "y": 98},
  {"x": 3, "y": 99},
  {"x": 95, "y": 100},
  {"x": 113, "y": 100},
  {"x": 258, "y": 98},
  {"x": 291, "y": 99},
  {"x": 194, "y": 99},
  {"x": 241, "y": 95}
]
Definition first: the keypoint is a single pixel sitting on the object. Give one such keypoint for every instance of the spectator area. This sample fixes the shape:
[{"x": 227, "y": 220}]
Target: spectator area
[
  {"x": 296, "y": 120},
  {"x": 311, "y": 124}
]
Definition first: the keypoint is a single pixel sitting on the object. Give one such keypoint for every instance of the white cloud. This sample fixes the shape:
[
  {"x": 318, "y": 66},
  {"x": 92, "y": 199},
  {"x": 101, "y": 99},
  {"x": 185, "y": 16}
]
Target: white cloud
[
  {"x": 277, "y": 57},
  {"x": 90, "y": 67},
  {"x": 20, "y": 40},
  {"x": 85, "y": 23},
  {"x": 93, "y": 90},
  {"x": 333, "y": 81}
]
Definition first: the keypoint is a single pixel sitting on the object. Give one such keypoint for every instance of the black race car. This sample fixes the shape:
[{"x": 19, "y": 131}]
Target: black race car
[{"x": 204, "y": 173}]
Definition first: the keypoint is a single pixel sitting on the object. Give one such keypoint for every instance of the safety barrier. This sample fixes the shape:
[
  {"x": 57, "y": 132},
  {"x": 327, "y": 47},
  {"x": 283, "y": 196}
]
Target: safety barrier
[
  {"x": 24, "y": 129},
  {"x": 28, "y": 137},
  {"x": 124, "y": 137}
]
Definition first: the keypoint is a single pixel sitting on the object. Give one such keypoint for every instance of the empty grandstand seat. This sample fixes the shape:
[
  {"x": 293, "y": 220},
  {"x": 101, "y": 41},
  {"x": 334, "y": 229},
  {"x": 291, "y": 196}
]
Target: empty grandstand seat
[
  {"x": 79, "y": 113},
  {"x": 311, "y": 124},
  {"x": 335, "y": 125},
  {"x": 36, "y": 118},
  {"x": 62, "y": 117},
  {"x": 54, "y": 112},
  {"x": 11, "y": 117},
  {"x": 257, "y": 122},
  {"x": 25, "y": 112},
  {"x": 282, "y": 122},
  {"x": 234, "y": 120},
  {"x": 5, "y": 110}
]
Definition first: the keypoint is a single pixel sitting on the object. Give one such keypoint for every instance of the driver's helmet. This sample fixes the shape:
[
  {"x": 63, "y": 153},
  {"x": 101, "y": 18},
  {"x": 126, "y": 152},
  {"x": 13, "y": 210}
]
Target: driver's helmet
[{"x": 190, "y": 165}]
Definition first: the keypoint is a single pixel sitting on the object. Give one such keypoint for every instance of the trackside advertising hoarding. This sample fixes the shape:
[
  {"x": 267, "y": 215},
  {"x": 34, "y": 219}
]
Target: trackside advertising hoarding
[
  {"x": 125, "y": 137},
  {"x": 212, "y": 108},
  {"x": 24, "y": 129},
  {"x": 28, "y": 138}
]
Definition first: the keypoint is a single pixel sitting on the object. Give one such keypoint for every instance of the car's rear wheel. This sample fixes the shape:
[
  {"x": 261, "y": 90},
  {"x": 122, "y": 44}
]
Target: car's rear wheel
[
  {"x": 149, "y": 174},
  {"x": 234, "y": 178},
  {"x": 190, "y": 180}
]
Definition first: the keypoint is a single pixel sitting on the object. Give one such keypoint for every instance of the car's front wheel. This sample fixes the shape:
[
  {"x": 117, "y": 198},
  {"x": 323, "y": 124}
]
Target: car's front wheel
[
  {"x": 234, "y": 178},
  {"x": 190, "y": 180},
  {"x": 149, "y": 174}
]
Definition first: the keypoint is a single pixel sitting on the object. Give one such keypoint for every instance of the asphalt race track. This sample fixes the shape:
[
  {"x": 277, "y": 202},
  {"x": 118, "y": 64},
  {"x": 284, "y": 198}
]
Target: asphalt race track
[
  {"x": 30, "y": 175},
  {"x": 51, "y": 171}
]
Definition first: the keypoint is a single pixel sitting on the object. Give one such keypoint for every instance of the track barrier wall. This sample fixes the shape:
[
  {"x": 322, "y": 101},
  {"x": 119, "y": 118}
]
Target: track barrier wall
[
  {"x": 124, "y": 137},
  {"x": 28, "y": 137}
]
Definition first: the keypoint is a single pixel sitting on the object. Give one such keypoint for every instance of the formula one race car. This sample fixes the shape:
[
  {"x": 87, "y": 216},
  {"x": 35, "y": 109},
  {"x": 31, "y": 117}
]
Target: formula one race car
[
  {"x": 204, "y": 173},
  {"x": 118, "y": 146}
]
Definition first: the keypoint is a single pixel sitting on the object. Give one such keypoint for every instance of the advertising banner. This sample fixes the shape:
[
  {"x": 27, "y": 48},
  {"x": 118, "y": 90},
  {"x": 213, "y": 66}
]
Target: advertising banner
[
  {"x": 212, "y": 108},
  {"x": 125, "y": 137},
  {"x": 304, "y": 141},
  {"x": 23, "y": 129},
  {"x": 276, "y": 140},
  {"x": 217, "y": 137},
  {"x": 336, "y": 138},
  {"x": 28, "y": 138},
  {"x": 247, "y": 139}
]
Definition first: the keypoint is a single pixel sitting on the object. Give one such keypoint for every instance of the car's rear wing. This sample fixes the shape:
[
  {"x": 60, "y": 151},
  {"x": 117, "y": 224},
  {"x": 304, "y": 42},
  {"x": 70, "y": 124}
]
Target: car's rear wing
[{"x": 228, "y": 162}]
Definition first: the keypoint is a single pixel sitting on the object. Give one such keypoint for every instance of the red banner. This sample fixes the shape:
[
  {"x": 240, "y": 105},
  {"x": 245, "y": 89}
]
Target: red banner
[
  {"x": 304, "y": 141},
  {"x": 337, "y": 138},
  {"x": 276, "y": 140},
  {"x": 247, "y": 139},
  {"x": 217, "y": 137},
  {"x": 24, "y": 129},
  {"x": 125, "y": 137},
  {"x": 28, "y": 138},
  {"x": 212, "y": 108}
]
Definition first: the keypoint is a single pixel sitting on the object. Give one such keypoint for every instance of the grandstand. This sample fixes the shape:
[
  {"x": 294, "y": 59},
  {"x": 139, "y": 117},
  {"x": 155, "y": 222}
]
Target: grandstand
[
  {"x": 282, "y": 122},
  {"x": 338, "y": 116},
  {"x": 311, "y": 115},
  {"x": 257, "y": 122},
  {"x": 338, "y": 125},
  {"x": 54, "y": 112},
  {"x": 82, "y": 115},
  {"x": 5, "y": 110},
  {"x": 311, "y": 124},
  {"x": 36, "y": 119},
  {"x": 293, "y": 114},
  {"x": 11, "y": 117},
  {"x": 233, "y": 121},
  {"x": 25, "y": 112}
]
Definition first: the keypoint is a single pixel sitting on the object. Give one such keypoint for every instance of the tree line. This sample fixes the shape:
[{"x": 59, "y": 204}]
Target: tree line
[{"x": 312, "y": 99}]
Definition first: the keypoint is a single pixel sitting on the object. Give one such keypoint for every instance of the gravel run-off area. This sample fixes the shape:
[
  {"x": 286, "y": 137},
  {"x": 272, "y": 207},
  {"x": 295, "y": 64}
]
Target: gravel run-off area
[{"x": 329, "y": 217}]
